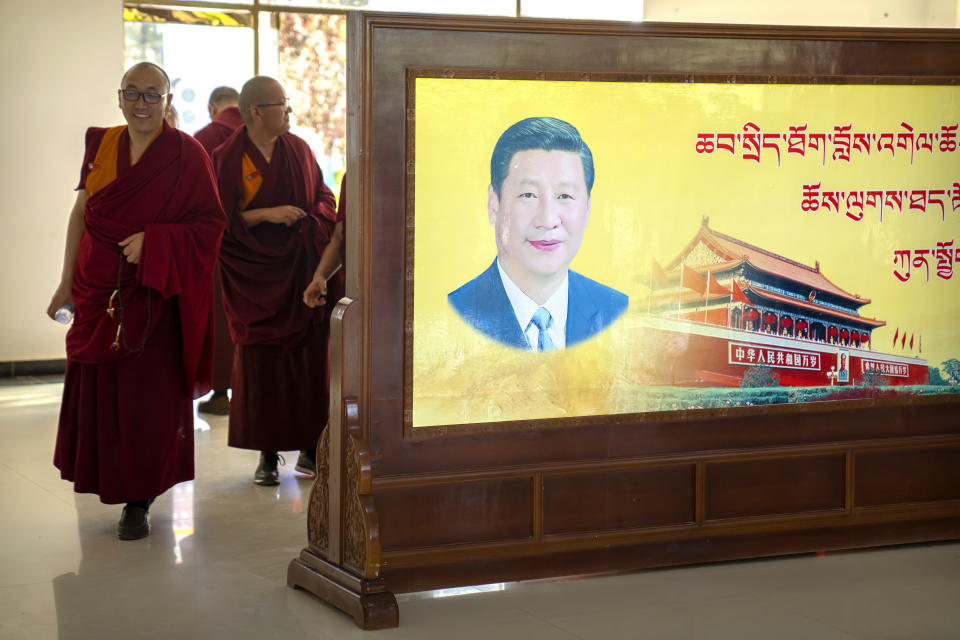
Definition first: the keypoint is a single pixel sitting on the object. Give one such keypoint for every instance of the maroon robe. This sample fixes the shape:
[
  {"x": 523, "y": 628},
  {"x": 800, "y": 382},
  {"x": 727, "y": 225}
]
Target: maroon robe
[
  {"x": 212, "y": 136},
  {"x": 126, "y": 420},
  {"x": 222, "y": 342},
  {"x": 216, "y": 133},
  {"x": 280, "y": 382},
  {"x": 342, "y": 204}
]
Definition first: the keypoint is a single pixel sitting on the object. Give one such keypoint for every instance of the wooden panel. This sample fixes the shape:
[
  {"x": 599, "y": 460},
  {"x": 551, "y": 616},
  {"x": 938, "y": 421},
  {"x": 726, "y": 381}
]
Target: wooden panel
[
  {"x": 622, "y": 499},
  {"x": 633, "y": 436},
  {"x": 381, "y": 251},
  {"x": 913, "y": 475},
  {"x": 450, "y": 513},
  {"x": 423, "y": 41},
  {"x": 455, "y": 571},
  {"x": 504, "y": 501},
  {"x": 774, "y": 486}
]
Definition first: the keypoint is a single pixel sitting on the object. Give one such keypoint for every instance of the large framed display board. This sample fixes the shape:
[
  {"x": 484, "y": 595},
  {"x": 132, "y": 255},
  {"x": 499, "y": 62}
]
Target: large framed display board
[{"x": 623, "y": 296}]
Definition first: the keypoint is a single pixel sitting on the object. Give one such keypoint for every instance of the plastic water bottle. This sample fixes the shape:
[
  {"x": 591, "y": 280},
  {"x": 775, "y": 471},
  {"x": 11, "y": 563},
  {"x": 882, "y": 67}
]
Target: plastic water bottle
[{"x": 64, "y": 314}]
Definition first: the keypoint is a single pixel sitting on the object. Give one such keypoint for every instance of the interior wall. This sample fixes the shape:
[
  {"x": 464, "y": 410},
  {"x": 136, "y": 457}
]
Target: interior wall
[{"x": 61, "y": 63}]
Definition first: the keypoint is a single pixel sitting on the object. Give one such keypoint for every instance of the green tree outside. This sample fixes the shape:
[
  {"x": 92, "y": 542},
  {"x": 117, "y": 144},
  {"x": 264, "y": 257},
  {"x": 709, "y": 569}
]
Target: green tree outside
[{"x": 951, "y": 368}]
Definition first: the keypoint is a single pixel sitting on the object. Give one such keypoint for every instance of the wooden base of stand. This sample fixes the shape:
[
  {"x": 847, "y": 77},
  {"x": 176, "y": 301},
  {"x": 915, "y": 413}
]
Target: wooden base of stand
[
  {"x": 367, "y": 601},
  {"x": 674, "y": 552}
]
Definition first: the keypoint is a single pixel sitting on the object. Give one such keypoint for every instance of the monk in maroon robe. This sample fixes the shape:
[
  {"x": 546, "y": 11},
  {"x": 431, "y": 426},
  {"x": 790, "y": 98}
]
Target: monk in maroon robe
[
  {"x": 279, "y": 219},
  {"x": 141, "y": 248},
  {"x": 225, "y": 118}
]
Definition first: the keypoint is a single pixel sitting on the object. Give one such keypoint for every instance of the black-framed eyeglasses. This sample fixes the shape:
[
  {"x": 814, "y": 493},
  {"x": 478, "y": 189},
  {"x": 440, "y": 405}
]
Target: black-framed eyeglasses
[
  {"x": 150, "y": 97},
  {"x": 285, "y": 104}
]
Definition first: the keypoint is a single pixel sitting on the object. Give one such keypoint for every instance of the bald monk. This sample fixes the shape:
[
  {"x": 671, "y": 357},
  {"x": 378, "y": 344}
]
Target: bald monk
[
  {"x": 140, "y": 252},
  {"x": 280, "y": 216},
  {"x": 224, "y": 119}
]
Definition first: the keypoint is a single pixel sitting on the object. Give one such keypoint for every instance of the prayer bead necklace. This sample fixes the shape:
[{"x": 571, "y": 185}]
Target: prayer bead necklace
[{"x": 115, "y": 304}]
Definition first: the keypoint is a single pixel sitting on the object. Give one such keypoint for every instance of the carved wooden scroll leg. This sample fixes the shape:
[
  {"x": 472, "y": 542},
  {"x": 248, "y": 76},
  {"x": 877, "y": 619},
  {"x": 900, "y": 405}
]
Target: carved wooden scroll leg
[
  {"x": 341, "y": 565},
  {"x": 351, "y": 584},
  {"x": 367, "y": 601}
]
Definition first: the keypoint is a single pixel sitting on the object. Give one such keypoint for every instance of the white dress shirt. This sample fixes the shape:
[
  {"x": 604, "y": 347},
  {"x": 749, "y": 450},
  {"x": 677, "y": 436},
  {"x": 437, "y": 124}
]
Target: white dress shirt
[{"x": 524, "y": 308}]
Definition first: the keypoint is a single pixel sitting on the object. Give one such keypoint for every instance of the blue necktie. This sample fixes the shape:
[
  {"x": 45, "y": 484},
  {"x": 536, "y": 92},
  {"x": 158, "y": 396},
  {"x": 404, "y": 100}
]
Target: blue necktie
[{"x": 542, "y": 320}]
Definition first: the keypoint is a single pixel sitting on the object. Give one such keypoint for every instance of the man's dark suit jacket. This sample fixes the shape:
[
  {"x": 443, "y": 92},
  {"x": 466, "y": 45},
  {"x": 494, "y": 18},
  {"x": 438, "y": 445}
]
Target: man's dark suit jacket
[{"x": 484, "y": 305}]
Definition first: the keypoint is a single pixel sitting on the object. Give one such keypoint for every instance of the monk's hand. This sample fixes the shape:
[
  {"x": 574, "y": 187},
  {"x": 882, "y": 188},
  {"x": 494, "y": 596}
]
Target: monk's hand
[
  {"x": 315, "y": 293},
  {"x": 132, "y": 247},
  {"x": 62, "y": 296},
  {"x": 286, "y": 214}
]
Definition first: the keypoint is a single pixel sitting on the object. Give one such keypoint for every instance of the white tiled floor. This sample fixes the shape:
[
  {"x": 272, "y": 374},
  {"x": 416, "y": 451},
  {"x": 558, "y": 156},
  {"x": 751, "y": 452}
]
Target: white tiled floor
[{"x": 215, "y": 567}]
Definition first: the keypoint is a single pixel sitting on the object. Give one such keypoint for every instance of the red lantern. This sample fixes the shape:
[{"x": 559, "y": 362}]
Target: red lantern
[
  {"x": 864, "y": 337},
  {"x": 844, "y": 334},
  {"x": 751, "y": 314},
  {"x": 786, "y": 322},
  {"x": 769, "y": 318},
  {"x": 833, "y": 331},
  {"x": 802, "y": 324}
]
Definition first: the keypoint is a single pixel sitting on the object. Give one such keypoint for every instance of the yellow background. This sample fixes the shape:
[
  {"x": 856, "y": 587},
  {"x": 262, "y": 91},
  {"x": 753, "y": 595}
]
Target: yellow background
[{"x": 649, "y": 196}]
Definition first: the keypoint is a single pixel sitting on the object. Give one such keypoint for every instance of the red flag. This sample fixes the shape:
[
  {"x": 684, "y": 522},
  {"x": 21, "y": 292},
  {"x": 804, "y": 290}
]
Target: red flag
[
  {"x": 738, "y": 295},
  {"x": 657, "y": 274},
  {"x": 692, "y": 280},
  {"x": 911, "y": 341},
  {"x": 921, "y": 343},
  {"x": 896, "y": 336},
  {"x": 715, "y": 287},
  {"x": 903, "y": 340}
]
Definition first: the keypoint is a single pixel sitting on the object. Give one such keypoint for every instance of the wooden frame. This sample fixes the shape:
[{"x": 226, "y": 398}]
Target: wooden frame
[{"x": 395, "y": 510}]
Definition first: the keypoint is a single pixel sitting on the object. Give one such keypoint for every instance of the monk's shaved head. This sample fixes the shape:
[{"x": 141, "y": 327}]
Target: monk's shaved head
[
  {"x": 150, "y": 66},
  {"x": 256, "y": 90},
  {"x": 224, "y": 96}
]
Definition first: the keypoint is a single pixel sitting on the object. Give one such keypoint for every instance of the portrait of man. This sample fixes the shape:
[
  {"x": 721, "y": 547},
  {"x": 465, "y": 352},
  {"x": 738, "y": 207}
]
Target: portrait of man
[
  {"x": 538, "y": 202},
  {"x": 843, "y": 370}
]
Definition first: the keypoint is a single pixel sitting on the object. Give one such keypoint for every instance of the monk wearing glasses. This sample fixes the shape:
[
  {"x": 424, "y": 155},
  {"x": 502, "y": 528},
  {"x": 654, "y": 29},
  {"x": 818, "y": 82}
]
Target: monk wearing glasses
[
  {"x": 138, "y": 267},
  {"x": 280, "y": 218}
]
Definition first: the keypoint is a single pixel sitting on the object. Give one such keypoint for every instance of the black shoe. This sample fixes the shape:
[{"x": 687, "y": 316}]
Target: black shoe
[
  {"x": 133, "y": 520},
  {"x": 217, "y": 405},
  {"x": 267, "y": 474},
  {"x": 307, "y": 463}
]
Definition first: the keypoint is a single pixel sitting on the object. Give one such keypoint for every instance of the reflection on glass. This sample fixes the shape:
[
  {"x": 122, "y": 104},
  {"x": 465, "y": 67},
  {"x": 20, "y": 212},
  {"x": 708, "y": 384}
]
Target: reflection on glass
[
  {"x": 182, "y": 516},
  {"x": 319, "y": 4},
  {"x": 312, "y": 67},
  {"x": 488, "y": 8},
  {"x": 268, "y": 44},
  {"x": 594, "y": 10},
  {"x": 158, "y": 14}
]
